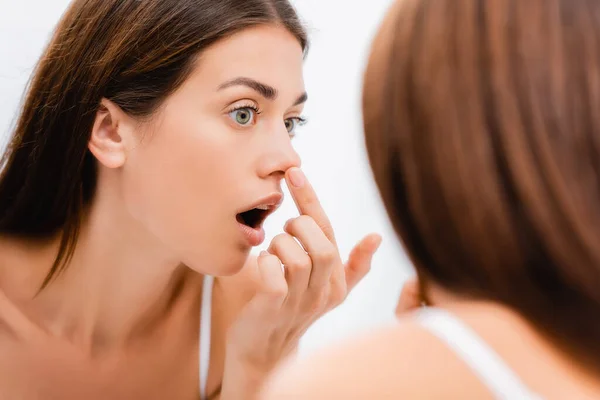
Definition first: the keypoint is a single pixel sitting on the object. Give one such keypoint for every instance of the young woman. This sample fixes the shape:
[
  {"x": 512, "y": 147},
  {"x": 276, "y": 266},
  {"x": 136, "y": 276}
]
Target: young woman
[
  {"x": 150, "y": 149},
  {"x": 482, "y": 126}
]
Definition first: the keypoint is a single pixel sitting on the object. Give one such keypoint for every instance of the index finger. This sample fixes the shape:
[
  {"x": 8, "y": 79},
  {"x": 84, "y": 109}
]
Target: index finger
[{"x": 306, "y": 200}]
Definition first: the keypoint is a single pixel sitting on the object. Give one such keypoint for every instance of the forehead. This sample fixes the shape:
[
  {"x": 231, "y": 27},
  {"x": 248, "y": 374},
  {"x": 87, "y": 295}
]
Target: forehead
[{"x": 269, "y": 54}]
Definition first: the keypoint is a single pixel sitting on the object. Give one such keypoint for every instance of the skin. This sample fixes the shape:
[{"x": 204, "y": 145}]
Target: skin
[
  {"x": 122, "y": 321},
  {"x": 407, "y": 359},
  {"x": 404, "y": 361}
]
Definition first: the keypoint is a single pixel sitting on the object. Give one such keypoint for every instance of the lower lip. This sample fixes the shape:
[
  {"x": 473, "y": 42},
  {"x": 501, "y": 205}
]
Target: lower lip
[{"x": 255, "y": 237}]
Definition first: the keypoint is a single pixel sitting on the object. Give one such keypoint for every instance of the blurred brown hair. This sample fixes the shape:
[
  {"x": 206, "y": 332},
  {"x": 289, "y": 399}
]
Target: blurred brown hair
[
  {"x": 134, "y": 53},
  {"x": 483, "y": 130}
]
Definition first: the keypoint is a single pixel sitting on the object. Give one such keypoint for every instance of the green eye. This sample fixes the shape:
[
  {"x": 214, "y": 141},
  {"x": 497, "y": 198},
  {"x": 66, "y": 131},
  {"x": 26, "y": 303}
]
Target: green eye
[
  {"x": 243, "y": 116},
  {"x": 292, "y": 123}
]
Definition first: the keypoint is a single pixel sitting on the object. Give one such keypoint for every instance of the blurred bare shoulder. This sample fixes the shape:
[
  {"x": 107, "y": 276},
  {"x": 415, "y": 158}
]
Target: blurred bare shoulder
[{"x": 398, "y": 361}]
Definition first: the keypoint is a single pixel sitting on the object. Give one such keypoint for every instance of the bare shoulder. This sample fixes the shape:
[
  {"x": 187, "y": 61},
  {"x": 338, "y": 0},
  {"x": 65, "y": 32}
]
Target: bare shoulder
[{"x": 399, "y": 361}]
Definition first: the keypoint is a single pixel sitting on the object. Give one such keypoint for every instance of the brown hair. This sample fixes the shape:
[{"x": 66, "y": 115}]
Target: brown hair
[
  {"x": 134, "y": 53},
  {"x": 483, "y": 132}
]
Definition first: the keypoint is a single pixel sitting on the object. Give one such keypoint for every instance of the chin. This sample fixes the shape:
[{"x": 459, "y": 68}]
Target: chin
[
  {"x": 231, "y": 269},
  {"x": 222, "y": 266}
]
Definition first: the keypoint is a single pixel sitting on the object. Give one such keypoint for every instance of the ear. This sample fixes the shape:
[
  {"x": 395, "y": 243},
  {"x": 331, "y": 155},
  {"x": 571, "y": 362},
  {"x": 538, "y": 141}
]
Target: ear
[{"x": 109, "y": 135}]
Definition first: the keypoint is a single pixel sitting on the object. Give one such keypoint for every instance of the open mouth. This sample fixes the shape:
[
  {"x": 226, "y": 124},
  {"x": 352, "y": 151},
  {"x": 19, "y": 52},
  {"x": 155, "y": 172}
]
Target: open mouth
[{"x": 255, "y": 217}]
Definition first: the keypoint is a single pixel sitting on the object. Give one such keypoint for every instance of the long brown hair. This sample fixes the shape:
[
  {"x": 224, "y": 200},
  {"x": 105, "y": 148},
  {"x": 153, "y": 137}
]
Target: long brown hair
[
  {"x": 134, "y": 53},
  {"x": 483, "y": 132}
]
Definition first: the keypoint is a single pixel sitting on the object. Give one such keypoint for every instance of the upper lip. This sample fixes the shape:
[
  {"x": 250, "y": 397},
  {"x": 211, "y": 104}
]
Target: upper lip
[{"x": 272, "y": 201}]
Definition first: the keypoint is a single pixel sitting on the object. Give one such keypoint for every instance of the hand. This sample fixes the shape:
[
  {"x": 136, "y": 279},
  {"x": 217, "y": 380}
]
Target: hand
[
  {"x": 410, "y": 298},
  {"x": 313, "y": 280}
]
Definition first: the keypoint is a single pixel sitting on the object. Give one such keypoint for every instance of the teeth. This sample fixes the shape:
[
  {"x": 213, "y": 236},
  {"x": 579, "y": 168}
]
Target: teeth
[{"x": 263, "y": 207}]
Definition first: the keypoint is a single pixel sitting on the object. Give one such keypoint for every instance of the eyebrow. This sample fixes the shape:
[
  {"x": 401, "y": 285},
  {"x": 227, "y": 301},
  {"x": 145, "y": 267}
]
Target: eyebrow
[{"x": 266, "y": 91}]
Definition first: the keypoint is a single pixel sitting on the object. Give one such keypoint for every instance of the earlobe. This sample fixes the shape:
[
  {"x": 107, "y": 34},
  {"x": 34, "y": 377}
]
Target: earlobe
[{"x": 106, "y": 141}]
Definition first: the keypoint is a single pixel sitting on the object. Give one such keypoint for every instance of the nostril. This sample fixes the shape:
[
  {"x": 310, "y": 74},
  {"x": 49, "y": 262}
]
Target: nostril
[{"x": 279, "y": 159}]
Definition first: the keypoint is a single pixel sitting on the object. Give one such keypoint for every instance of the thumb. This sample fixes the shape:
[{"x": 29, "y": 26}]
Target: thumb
[
  {"x": 359, "y": 261},
  {"x": 410, "y": 297},
  {"x": 272, "y": 287}
]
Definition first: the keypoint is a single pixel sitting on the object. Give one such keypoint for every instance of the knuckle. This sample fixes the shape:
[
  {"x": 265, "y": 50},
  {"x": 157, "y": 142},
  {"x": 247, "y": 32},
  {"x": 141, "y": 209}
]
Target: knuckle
[
  {"x": 273, "y": 259},
  {"x": 305, "y": 220},
  {"x": 327, "y": 255},
  {"x": 279, "y": 291},
  {"x": 279, "y": 241},
  {"x": 281, "y": 238},
  {"x": 311, "y": 200},
  {"x": 299, "y": 263}
]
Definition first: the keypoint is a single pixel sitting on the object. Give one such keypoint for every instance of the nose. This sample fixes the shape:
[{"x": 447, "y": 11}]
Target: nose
[{"x": 279, "y": 156}]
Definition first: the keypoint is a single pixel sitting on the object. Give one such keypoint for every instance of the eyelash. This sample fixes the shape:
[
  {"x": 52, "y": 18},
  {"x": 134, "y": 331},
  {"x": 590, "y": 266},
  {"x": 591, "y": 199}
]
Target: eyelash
[
  {"x": 246, "y": 106},
  {"x": 300, "y": 121}
]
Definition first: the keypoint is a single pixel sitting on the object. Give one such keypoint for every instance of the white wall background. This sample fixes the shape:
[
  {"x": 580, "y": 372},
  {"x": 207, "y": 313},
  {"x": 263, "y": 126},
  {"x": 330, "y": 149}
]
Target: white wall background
[{"x": 331, "y": 145}]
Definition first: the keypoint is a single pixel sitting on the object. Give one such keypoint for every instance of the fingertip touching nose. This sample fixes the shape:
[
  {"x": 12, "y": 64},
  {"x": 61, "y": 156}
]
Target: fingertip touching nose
[{"x": 280, "y": 160}]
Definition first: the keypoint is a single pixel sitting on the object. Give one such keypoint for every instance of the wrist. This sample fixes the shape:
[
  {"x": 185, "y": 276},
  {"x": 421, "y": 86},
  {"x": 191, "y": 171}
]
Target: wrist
[{"x": 242, "y": 378}]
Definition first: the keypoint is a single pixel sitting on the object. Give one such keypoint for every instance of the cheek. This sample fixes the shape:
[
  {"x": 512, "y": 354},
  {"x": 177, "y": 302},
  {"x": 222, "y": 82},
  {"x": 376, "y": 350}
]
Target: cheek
[
  {"x": 181, "y": 183},
  {"x": 168, "y": 172}
]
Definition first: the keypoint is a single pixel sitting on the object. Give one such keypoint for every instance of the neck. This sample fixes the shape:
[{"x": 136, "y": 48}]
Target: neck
[{"x": 119, "y": 282}]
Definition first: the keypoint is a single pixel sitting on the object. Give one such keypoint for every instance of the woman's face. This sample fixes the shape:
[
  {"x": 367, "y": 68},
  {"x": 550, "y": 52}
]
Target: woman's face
[{"x": 219, "y": 147}]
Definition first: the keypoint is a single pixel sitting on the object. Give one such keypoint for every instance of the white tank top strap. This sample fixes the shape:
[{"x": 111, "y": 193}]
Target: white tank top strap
[
  {"x": 498, "y": 377},
  {"x": 205, "y": 331}
]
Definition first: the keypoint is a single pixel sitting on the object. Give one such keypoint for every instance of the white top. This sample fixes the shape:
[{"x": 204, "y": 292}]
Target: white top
[
  {"x": 493, "y": 372},
  {"x": 205, "y": 330}
]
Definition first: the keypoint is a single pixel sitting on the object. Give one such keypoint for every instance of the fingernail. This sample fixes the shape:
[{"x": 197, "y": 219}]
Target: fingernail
[
  {"x": 296, "y": 177},
  {"x": 263, "y": 253}
]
